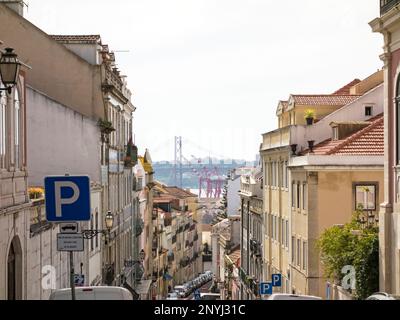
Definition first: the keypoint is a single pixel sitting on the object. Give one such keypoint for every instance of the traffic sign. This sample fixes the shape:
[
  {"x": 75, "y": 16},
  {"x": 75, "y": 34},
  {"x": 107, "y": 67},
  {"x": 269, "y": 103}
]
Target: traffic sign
[
  {"x": 69, "y": 227},
  {"x": 70, "y": 242},
  {"x": 277, "y": 280},
  {"x": 79, "y": 280},
  {"x": 67, "y": 198},
  {"x": 266, "y": 288}
]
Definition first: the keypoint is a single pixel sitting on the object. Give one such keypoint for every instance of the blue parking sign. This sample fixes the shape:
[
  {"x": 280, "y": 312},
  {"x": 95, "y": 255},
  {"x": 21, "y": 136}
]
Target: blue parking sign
[
  {"x": 277, "y": 280},
  {"x": 265, "y": 288},
  {"x": 67, "y": 198}
]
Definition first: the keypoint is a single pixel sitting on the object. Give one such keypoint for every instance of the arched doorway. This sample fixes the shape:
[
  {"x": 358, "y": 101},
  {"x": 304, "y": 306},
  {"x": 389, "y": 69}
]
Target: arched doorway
[{"x": 14, "y": 271}]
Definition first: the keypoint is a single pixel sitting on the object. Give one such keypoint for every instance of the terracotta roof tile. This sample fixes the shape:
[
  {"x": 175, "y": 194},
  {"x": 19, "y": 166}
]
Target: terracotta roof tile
[
  {"x": 346, "y": 89},
  {"x": 368, "y": 141},
  {"x": 180, "y": 193},
  {"x": 324, "y": 99},
  {"x": 87, "y": 39}
]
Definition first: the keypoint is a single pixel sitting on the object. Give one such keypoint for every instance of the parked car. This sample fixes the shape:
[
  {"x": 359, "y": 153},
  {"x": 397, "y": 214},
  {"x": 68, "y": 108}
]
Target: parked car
[
  {"x": 281, "y": 296},
  {"x": 172, "y": 296},
  {"x": 180, "y": 290},
  {"x": 383, "y": 296},
  {"x": 93, "y": 293},
  {"x": 209, "y": 296}
]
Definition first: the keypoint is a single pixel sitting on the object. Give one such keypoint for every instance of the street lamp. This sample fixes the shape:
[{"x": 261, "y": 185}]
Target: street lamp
[
  {"x": 9, "y": 69},
  {"x": 109, "y": 221}
]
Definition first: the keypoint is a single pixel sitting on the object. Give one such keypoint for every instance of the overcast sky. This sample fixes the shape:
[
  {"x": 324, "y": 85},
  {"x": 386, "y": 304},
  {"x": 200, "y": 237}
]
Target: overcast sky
[{"x": 213, "y": 71}]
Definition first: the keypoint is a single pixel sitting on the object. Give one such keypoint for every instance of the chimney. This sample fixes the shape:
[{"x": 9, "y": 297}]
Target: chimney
[{"x": 16, "y": 5}]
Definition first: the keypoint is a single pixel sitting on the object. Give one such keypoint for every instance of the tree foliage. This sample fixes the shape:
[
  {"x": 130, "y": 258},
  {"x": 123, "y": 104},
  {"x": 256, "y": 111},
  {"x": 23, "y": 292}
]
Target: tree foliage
[{"x": 353, "y": 244}]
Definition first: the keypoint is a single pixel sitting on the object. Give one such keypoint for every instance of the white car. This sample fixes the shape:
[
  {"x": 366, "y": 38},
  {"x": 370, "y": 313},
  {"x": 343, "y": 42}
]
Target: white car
[
  {"x": 281, "y": 296},
  {"x": 172, "y": 296},
  {"x": 383, "y": 296},
  {"x": 209, "y": 296},
  {"x": 93, "y": 293}
]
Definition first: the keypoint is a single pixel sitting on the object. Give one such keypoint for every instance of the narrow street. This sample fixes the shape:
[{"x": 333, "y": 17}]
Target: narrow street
[{"x": 204, "y": 289}]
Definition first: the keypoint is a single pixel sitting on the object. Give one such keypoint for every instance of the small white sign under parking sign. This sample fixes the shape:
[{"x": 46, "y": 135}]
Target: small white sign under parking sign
[{"x": 70, "y": 242}]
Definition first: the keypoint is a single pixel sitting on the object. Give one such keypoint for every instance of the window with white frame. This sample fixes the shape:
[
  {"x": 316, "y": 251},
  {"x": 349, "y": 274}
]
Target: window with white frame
[
  {"x": 365, "y": 196},
  {"x": 298, "y": 195},
  {"x": 17, "y": 128},
  {"x": 304, "y": 196}
]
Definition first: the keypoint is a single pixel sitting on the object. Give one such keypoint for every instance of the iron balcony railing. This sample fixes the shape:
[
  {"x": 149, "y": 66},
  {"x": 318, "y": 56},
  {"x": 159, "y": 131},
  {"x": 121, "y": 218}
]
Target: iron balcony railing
[{"x": 386, "y": 5}]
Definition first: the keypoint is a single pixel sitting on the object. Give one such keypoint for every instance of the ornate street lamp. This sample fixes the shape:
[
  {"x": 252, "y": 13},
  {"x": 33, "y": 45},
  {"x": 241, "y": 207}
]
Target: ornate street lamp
[
  {"x": 9, "y": 69},
  {"x": 109, "y": 221}
]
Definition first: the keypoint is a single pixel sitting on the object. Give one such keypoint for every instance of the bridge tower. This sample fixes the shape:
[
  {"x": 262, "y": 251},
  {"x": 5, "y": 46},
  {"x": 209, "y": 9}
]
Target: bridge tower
[{"x": 178, "y": 172}]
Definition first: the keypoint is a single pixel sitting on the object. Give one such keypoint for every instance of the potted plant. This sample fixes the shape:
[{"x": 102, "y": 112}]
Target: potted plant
[
  {"x": 309, "y": 115},
  {"x": 105, "y": 126},
  {"x": 36, "y": 193}
]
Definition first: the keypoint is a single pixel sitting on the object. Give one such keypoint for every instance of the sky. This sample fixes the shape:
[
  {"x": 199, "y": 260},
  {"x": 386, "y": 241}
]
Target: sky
[{"x": 213, "y": 71}]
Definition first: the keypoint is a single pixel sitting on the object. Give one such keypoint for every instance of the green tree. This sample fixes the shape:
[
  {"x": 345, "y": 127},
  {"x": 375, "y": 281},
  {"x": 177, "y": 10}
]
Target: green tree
[{"x": 352, "y": 244}]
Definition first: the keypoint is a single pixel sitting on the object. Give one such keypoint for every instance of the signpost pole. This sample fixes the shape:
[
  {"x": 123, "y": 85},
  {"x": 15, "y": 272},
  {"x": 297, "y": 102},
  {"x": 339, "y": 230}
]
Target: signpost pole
[{"x": 72, "y": 276}]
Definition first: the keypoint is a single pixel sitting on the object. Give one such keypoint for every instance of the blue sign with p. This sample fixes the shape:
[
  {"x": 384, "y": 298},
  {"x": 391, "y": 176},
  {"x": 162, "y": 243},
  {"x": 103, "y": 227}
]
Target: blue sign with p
[
  {"x": 67, "y": 198},
  {"x": 277, "y": 280},
  {"x": 266, "y": 288}
]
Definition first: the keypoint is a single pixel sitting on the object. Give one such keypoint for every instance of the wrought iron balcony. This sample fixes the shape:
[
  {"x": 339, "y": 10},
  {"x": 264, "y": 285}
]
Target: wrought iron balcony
[{"x": 386, "y": 5}]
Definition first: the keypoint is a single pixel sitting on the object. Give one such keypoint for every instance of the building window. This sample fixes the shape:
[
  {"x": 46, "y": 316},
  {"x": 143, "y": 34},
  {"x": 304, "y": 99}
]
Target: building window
[
  {"x": 17, "y": 128},
  {"x": 287, "y": 234},
  {"x": 294, "y": 195},
  {"x": 92, "y": 239},
  {"x": 365, "y": 197},
  {"x": 273, "y": 174},
  {"x": 286, "y": 175},
  {"x": 298, "y": 195},
  {"x": 368, "y": 111},
  {"x": 97, "y": 227},
  {"x": 304, "y": 196},
  {"x": 305, "y": 255},
  {"x": 335, "y": 133},
  {"x": 273, "y": 227},
  {"x": 298, "y": 250},
  {"x": 293, "y": 249},
  {"x": 282, "y": 231}
]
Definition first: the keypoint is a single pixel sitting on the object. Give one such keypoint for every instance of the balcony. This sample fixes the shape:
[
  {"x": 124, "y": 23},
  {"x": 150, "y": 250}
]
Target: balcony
[
  {"x": 386, "y": 5},
  {"x": 187, "y": 226},
  {"x": 196, "y": 237},
  {"x": 173, "y": 239},
  {"x": 284, "y": 137}
]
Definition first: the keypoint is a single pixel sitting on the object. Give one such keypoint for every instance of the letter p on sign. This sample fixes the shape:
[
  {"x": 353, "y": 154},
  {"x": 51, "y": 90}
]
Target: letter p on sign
[{"x": 67, "y": 198}]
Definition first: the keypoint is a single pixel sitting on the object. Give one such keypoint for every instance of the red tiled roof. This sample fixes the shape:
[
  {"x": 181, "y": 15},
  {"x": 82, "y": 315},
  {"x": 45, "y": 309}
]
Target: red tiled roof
[
  {"x": 368, "y": 141},
  {"x": 346, "y": 89},
  {"x": 324, "y": 99},
  {"x": 180, "y": 193},
  {"x": 88, "y": 39}
]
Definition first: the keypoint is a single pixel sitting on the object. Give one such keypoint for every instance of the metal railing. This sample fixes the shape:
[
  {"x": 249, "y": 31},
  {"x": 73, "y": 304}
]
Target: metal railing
[{"x": 386, "y": 5}]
